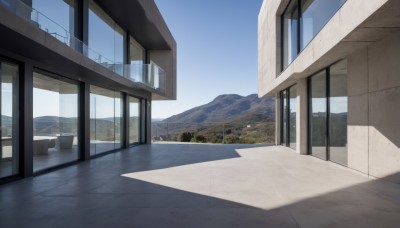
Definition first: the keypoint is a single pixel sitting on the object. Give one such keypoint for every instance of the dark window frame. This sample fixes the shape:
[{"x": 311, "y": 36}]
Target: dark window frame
[
  {"x": 328, "y": 113},
  {"x": 287, "y": 128},
  {"x": 299, "y": 31}
]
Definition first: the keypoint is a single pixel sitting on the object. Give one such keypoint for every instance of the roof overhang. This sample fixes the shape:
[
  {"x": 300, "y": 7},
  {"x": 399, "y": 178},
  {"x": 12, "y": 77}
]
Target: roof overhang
[{"x": 143, "y": 20}]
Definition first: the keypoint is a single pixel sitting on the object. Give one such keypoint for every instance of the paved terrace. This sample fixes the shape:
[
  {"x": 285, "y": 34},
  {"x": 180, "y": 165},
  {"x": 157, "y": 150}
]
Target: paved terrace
[{"x": 182, "y": 185}]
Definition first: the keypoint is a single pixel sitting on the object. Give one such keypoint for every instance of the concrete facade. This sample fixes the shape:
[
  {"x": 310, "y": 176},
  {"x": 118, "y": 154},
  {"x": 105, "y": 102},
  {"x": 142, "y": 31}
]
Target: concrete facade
[{"x": 367, "y": 35}]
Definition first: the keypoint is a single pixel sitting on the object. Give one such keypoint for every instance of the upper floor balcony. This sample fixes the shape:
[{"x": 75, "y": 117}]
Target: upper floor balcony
[{"x": 146, "y": 75}]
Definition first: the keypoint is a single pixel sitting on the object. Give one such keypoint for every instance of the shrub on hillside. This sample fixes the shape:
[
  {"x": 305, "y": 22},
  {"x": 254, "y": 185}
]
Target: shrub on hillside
[
  {"x": 185, "y": 136},
  {"x": 199, "y": 139}
]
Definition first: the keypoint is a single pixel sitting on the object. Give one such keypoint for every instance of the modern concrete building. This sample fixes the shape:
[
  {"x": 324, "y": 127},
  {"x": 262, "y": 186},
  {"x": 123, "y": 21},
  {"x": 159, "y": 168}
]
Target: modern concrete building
[
  {"x": 334, "y": 66},
  {"x": 77, "y": 80}
]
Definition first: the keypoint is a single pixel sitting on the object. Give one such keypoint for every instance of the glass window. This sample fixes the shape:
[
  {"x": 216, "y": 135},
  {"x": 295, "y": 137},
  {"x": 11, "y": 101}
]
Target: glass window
[
  {"x": 106, "y": 38},
  {"x": 289, "y": 110},
  {"x": 9, "y": 120},
  {"x": 338, "y": 113},
  {"x": 292, "y": 116},
  {"x": 105, "y": 120},
  {"x": 137, "y": 59},
  {"x": 315, "y": 15},
  {"x": 134, "y": 120},
  {"x": 290, "y": 32},
  {"x": 57, "y": 17},
  {"x": 284, "y": 117},
  {"x": 318, "y": 115},
  {"x": 55, "y": 122},
  {"x": 299, "y": 28}
]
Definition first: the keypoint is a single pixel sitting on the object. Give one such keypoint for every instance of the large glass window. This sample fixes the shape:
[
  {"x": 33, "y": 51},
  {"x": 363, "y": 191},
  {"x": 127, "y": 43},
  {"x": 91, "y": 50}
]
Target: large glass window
[
  {"x": 301, "y": 22},
  {"x": 58, "y": 17},
  {"x": 338, "y": 113},
  {"x": 55, "y": 121},
  {"x": 105, "y": 120},
  {"x": 106, "y": 38},
  {"x": 288, "y": 117},
  {"x": 290, "y": 20},
  {"x": 9, "y": 120},
  {"x": 314, "y": 15},
  {"x": 137, "y": 59},
  {"x": 328, "y": 113},
  {"x": 318, "y": 115},
  {"x": 134, "y": 120}
]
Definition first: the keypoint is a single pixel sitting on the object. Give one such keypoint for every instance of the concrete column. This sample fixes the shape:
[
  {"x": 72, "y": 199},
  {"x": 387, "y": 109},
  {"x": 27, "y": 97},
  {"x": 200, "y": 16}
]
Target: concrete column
[
  {"x": 278, "y": 119},
  {"x": 301, "y": 117},
  {"x": 84, "y": 121},
  {"x": 26, "y": 127},
  {"x": 148, "y": 122}
]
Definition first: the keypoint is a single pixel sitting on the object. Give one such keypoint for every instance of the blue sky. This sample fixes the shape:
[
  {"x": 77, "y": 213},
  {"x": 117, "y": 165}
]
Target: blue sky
[{"x": 217, "y": 50}]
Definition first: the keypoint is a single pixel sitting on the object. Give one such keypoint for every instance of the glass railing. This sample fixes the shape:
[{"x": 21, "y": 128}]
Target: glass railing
[
  {"x": 220, "y": 133},
  {"x": 149, "y": 75}
]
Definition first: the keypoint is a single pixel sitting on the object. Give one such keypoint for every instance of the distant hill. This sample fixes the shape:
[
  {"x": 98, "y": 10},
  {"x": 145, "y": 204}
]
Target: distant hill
[
  {"x": 229, "y": 118},
  {"x": 228, "y": 108}
]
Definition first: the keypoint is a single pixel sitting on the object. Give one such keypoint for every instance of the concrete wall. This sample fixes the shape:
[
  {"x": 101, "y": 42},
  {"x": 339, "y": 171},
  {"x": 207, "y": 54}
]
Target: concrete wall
[
  {"x": 367, "y": 33},
  {"x": 352, "y": 27},
  {"x": 374, "y": 109}
]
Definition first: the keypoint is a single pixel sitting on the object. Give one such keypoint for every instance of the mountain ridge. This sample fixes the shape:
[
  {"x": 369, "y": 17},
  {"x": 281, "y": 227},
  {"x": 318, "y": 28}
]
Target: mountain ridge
[{"x": 228, "y": 107}]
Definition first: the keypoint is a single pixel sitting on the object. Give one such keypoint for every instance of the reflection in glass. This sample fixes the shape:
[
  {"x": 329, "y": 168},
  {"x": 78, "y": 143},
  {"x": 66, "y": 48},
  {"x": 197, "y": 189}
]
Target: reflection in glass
[
  {"x": 134, "y": 120},
  {"x": 105, "y": 120},
  {"x": 318, "y": 112},
  {"x": 9, "y": 120},
  {"x": 338, "y": 113},
  {"x": 137, "y": 58},
  {"x": 292, "y": 114},
  {"x": 284, "y": 117},
  {"x": 55, "y": 122},
  {"x": 315, "y": 15},
  {"x": 290, "y": 30},
  {"x": 105, "y": 36},
  {"x": 61, "y": 12}
]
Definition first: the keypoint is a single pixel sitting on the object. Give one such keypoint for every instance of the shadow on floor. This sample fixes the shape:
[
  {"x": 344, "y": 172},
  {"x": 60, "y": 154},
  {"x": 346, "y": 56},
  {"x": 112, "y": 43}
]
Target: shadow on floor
[{"x": 94, "y": 194}]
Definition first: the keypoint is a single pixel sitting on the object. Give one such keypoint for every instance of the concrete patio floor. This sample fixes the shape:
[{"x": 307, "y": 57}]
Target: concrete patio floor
[{"x": 192, "y": 185}]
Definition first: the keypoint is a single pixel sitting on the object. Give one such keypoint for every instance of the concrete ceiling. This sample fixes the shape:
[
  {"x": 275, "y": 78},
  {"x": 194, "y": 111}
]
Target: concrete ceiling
[{"x": 143, "y": 20}]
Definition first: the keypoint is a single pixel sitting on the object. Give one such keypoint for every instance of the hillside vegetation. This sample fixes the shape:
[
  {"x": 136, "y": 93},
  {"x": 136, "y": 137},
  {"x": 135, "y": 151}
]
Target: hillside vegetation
[{"x": 228, "y": 118}]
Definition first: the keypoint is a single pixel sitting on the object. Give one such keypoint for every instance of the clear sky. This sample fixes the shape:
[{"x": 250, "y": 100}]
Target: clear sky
[{"x": 217, "y": 50}]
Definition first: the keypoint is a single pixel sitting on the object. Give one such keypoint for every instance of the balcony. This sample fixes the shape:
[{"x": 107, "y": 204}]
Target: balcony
[
  {"x": 193, "y": 185},
  {"x": 150, "y": 76}
]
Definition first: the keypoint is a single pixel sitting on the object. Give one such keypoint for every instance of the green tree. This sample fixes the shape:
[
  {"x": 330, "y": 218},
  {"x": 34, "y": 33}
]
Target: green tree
[
  {"x": 200, "y": 139},
  {"x": 185, "y": 136}
]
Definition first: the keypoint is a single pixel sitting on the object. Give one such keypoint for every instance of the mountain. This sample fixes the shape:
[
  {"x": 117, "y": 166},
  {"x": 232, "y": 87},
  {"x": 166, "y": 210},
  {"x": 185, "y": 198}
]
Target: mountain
[{"x": 227, "y": 108}]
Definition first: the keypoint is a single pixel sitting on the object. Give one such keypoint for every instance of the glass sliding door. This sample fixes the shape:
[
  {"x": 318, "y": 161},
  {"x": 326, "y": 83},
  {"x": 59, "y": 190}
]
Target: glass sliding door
[
  {"x": 292, "y": 116},
  {"x": 284, "y": 117},
  {"x": 288, "y": 117},
  {"x": 9, "y": 119},
  {"x": 134, "y": 120},
  {"x": 105, "y": 120},
  {"x": 328, "y": 113},
  {"x": 338, "y": 113},
  {"x": 55, "y": 121},
  {"x": 106, "y": 38},
  {"x": 318, "y": 115}
]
